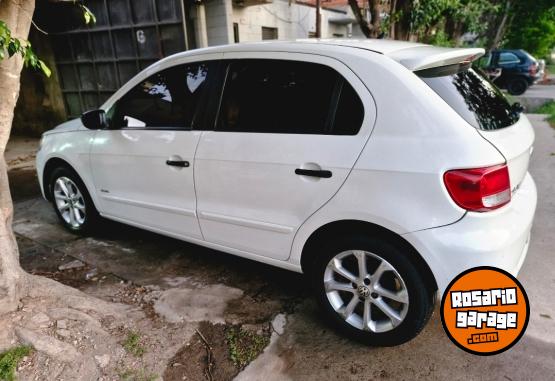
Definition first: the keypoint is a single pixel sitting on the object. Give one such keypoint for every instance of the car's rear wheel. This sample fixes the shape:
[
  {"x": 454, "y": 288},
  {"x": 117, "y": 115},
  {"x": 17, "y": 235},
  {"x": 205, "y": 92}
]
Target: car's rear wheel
[
  {"x": 71, "y": 200},
  {"x": 371, "y": 291},
  {"x": 517, "y": 86}
]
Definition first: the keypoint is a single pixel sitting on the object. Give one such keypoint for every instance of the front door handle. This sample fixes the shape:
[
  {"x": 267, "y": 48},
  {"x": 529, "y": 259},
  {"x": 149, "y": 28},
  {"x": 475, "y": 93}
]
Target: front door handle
[
  {"x": 178, "y": 163},
  {"x": 313, "y": 173}
]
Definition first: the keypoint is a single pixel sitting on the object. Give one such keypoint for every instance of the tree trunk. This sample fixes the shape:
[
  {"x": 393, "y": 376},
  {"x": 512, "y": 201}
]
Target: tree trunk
[
  {"x": 501, "y": 27},
  {"x": 497, "y": 26},
  {"x": 369, "y": 29},
  {"x": 375, "y": 21},
  {"x": 392, "y": 10},
  {"x": 17, "y": 14},
  {"x": 361, "y": 20},
  {"x": 402, "y": 25}
]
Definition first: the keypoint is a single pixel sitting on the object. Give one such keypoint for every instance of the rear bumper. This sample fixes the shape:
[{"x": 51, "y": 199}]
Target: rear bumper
[{"x": 499, "y": 238}]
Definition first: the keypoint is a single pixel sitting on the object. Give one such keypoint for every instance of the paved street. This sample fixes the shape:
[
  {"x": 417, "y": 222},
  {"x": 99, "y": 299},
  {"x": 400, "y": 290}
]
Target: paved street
[
  {"x": 541, "y": 91},
  {"x": 306, "y": 349}
]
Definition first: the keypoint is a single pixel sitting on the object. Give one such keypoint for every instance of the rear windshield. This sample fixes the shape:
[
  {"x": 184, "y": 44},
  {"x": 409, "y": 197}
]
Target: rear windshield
[{"x": 472, "y": 96}]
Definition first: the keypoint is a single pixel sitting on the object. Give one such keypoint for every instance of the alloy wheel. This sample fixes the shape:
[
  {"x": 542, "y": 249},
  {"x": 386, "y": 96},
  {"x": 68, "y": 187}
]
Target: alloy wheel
[
  {"x": 366, "y": 291},
  {"x": 69, "y": 202}
]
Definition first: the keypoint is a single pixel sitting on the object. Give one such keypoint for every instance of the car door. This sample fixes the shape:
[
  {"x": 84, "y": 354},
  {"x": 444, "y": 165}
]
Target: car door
[
  {"x": 509, "y": 62},
  {"x": 143, "y": 164},
  {"x": 287, "y": 135}
]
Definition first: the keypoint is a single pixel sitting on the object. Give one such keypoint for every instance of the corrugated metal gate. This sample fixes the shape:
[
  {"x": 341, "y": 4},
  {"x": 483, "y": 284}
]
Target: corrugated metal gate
[{"x": 129, "y": 35}]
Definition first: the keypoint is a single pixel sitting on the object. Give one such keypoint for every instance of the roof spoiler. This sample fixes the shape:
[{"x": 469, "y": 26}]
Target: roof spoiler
[{"x": 427, "y": 56}]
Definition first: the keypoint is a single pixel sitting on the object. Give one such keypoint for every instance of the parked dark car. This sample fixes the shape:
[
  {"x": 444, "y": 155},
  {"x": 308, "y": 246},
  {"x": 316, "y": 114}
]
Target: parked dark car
[{"x": 519, "y": 69}]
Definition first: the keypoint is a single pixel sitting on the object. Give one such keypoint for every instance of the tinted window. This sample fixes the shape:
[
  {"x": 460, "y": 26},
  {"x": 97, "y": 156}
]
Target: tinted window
[
  {"x": 474, "y": 98},
  {"x": 508, "y": 58},
  {"x": 278, "y": 96},
  {"x": 170, "y": 98},
  {"x": 350, "y": 112}
]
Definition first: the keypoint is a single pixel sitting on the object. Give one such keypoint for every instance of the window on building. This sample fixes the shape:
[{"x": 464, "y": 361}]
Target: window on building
[
  {"x": 170, "y": 98},
  {"x": 235, "y": 32},
  {"x": 269, "y": 33},
  {"x": 291, "y": 97}
]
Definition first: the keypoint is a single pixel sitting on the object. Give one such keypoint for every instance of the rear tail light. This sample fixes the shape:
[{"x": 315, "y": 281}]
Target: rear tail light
[
  {"x": 533, "y": 69},
  {"x": 479, "y": 189}
]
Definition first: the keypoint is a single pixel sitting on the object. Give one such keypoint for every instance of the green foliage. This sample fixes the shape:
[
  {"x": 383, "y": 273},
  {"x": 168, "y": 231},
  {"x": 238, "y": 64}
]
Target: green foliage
[
  {"x": 10, "y": 359},
  {"x": 11, "y": 46},
  {"x": 132, "y": 344},
  {"x": 441, "y": 22},
  {"x": 533, "y": 31},
  {"x": 244, "y": 346},
  {"x": 549, "y": 109},
  {"x": 473, "y": 14},
  {"x": 137, "y": 375},
  {"x": 88, "y": 15},
  {"x": 428, "y": 13},
  {"x": 440, "y": 38}
]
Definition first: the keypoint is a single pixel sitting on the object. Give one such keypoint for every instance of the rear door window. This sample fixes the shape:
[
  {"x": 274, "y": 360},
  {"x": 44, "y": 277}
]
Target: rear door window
[
  {"x": 472, "y": 96},
  {"x": 508, "y": 58},
  {"x": 289, "y": 97}
]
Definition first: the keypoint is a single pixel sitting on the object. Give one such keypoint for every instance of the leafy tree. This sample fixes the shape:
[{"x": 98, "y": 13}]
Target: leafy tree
[
  {"x": 511, "y": 23},
  {"x": 533, "y": 28}
]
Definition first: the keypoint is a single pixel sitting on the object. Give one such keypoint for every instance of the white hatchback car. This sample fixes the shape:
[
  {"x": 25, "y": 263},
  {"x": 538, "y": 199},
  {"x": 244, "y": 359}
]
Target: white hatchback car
[{"x": 381, "y": 169}]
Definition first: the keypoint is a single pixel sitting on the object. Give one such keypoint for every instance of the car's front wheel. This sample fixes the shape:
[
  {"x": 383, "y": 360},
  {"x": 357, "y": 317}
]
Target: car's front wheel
[
  {"x": 71, "y": 200},
  {"x": 371, "y": 291}
]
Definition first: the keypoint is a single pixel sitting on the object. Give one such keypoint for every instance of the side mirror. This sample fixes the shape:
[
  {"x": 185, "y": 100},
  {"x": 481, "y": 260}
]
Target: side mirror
[{"x": 94, "y": 119}]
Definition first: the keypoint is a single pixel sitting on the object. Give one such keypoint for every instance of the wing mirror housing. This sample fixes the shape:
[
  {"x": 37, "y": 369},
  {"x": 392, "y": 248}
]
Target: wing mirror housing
[{"x": 94, "y": 119}]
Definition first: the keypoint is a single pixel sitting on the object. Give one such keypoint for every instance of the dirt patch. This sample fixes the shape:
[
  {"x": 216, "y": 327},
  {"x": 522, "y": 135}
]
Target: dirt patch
[
  {"x": 140, "y": 296},
  {"x": 230, "y": 348},
  {"x": 252, "y": 311}
]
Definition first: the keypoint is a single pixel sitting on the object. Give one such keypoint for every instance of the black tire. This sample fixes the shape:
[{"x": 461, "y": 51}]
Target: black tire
[
  {"x": 421, "y": 295},
  {"x": 517, "y": 86},
  {"x": 91, "y": 216}
]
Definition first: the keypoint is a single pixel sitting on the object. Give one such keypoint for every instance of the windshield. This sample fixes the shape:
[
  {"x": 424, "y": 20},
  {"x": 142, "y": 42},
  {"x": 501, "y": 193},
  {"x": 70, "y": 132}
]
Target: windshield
[{"x": 473, "y": 97}]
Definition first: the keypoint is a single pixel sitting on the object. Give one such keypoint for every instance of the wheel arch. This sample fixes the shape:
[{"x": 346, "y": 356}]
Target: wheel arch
[
  {"x": 49, "y": 167},
  {"x": 341, "y": 227}
]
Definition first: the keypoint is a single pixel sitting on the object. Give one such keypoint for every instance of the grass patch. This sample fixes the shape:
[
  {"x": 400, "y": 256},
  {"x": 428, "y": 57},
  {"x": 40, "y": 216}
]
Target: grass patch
[
  {"x": 549, "y": 109},
  {"x": 550, "y": 68},
  {"x": 244, "y": 346},
  {"x": 10, "y": 359},
  {"x": 132, "y": 344},
  {"x": 137, "y": 375}
]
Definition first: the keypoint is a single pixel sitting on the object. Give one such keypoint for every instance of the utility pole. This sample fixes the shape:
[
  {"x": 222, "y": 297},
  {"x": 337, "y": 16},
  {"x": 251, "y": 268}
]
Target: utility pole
[{"x": 318, "y": 20}]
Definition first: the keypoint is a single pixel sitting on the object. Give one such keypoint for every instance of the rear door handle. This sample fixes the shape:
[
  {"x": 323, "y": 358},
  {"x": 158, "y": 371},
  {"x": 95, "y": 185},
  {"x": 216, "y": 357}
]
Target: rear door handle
[
  {"x": 313, "y": 173},
  {"x": 178, "y": 163}
]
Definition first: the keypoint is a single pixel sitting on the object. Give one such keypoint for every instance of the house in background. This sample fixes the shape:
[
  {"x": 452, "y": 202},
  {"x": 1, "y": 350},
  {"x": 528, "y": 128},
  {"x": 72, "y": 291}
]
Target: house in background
[{"x": 91, "y": 62}]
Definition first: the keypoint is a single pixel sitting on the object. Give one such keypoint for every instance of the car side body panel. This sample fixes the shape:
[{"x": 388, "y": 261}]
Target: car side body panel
[
  {"x": 246, "y": 183},
  {"x": 397, "y": 182},
  {"x": 71, "y": 143}
]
